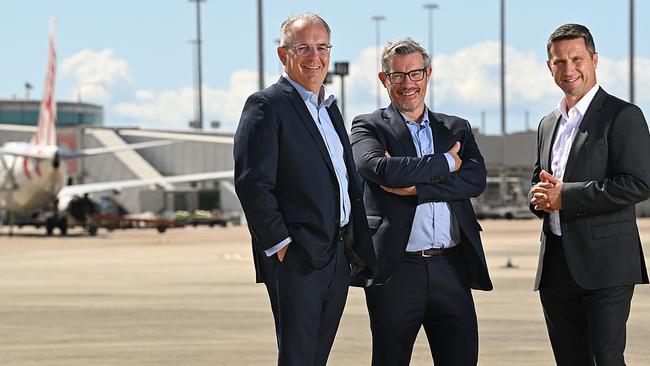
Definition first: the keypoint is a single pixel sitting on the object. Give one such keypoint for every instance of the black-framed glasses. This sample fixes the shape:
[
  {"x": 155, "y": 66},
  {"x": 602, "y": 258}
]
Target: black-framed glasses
[
  {"x": 304, "y": 49},
  {"x": 414, "y": 75}
]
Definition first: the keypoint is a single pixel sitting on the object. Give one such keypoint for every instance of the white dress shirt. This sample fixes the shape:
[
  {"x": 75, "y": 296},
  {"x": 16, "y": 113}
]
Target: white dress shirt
[{"x": 566, "y": 133}]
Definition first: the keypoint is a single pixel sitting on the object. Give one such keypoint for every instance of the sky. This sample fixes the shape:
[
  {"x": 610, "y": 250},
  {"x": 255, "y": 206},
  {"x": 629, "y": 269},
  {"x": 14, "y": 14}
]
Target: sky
[{"x": 136, "y": 57}]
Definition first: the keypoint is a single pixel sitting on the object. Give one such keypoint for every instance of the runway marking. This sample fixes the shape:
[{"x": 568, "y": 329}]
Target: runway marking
[{"x": 237, "y": 257}]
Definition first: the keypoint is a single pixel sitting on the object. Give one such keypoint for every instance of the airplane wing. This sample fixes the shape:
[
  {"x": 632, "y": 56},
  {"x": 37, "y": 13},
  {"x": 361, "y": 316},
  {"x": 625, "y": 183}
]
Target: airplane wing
[
  {"x": 10, "y": 150},
  {"x": 64, "y": 154},
  {"x": 49, "y": 152},
  {"x": 81, "y": 189}
]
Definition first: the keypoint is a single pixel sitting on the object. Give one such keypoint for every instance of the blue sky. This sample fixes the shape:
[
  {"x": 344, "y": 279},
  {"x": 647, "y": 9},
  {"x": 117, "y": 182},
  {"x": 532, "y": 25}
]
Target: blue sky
[{"x": 135, "y": 57}]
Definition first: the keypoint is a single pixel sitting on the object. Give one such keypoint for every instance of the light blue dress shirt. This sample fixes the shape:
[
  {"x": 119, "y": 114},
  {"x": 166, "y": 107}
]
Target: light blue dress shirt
[
  {"x": 318, "y": 111},
  {"x": 434, "y": 226}
]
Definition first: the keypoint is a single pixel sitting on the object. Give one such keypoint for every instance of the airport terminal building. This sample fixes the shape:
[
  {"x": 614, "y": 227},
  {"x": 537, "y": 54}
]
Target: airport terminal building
[{"x": 509, "y": 160}]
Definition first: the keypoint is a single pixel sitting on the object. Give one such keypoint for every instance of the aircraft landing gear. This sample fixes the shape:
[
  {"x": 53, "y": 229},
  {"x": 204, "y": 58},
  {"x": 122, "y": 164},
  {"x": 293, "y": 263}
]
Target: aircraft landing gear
[{"x": 56, "y": 222}]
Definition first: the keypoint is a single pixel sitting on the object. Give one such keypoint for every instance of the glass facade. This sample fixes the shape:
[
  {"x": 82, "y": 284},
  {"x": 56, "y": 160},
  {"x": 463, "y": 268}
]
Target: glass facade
[{"x": 25, "y": 112}]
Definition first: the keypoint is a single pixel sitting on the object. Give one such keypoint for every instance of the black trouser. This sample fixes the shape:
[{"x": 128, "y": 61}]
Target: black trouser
[
  {"x": 309, "y": 308},
  {"x": 432, "y": 292},
  {"x": 586, "y": 327}
]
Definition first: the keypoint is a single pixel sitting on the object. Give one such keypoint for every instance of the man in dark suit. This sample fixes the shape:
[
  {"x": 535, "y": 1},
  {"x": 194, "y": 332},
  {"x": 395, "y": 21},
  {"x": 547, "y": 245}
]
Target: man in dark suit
[
  {"x": 426, "y": 236},
  {"x": 296, "y": 180},
  {"x": 592, "y": 167}
]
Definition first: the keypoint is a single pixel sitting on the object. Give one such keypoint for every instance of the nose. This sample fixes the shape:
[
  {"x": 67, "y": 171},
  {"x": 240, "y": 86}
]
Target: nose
[
  {"x": 570, "y": 67},
  {"x": 407, "y": 82},
  {"x": 313, "y": 52}
]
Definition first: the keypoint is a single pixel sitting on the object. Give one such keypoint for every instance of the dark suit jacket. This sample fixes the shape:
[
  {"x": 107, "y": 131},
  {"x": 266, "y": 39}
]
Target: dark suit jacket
[
  {"x": 286, "y": 182},
  {"x": 391, "y": 216},
  {"x": 607, "y": 172}
]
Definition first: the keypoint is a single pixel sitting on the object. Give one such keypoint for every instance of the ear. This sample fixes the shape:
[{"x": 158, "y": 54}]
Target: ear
[
  {"x": 383, "y": 78},
  {"x": 548, "y": 64},
  {"x": 282, "y": 55},
  {"x": 595, "y": 58}
]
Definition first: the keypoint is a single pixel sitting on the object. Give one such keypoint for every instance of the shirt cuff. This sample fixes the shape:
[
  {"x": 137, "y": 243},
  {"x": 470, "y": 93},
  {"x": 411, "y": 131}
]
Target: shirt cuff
[
  {"x": 276, "y": 248},
  {"x": 451, "y": 162}
]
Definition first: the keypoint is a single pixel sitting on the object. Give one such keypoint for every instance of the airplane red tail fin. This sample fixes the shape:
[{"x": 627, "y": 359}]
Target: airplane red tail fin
[{"x": 46, "y": 134}]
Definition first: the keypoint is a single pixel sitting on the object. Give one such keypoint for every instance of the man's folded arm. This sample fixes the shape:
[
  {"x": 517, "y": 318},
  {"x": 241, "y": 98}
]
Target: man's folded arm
[
  {"x": 399, "y": 171},
  {"x": 467, "y": 182}
]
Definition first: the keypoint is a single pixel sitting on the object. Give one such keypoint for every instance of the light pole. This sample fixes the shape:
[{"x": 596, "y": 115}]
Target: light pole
[
  {"x": 28, "y": 88},
  {"x": 198, "y": 122},
  {"x": 260, "y": 46},
  {"x": 430, "y": 8},
  {"x": 631, "y": 51},
  {"x": 280, "y": 66},
  {"x": 377, "y": 19},
  {"x": 341, "y": 69},
  {"x": 503, "y": 69}
]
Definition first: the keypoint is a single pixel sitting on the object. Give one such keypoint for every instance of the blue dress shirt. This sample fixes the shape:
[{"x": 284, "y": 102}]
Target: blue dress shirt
[
  {"x": 434, "y": 226},
  {"x": 318, "y": 111}
]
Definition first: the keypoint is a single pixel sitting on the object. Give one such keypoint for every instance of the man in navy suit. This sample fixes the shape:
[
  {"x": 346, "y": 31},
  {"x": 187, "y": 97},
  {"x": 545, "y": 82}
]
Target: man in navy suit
[
  {"x": 592, "y": 167},
  {"x": 420, "y": 170},
  {"x": 298, "y": 186}
]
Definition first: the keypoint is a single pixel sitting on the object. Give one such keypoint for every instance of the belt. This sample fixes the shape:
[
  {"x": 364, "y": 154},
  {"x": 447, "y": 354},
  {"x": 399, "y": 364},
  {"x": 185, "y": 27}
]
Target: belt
[
  {"x": 341, "y": 232},
  {"x": 432, "y": 252}
]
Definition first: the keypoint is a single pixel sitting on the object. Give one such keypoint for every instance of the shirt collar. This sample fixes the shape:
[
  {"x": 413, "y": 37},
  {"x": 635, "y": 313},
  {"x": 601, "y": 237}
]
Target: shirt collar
[
  {"x": 425, "y": 119},
  {"x": 311, "y": 97},
  {"x": 580, "y": 107}
]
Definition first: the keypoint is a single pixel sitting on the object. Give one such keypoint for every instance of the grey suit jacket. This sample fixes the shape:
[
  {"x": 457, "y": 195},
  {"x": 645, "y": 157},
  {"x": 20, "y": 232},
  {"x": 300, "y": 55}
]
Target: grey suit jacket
[{"x": 607, "y": 173}]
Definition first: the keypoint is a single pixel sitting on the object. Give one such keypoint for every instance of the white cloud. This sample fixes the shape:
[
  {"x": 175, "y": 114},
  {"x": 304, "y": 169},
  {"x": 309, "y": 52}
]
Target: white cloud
[
  {"x": 95, "y": 73},
  {"x": 466, "y": 83},
  {"x": 173, "y": 109}
]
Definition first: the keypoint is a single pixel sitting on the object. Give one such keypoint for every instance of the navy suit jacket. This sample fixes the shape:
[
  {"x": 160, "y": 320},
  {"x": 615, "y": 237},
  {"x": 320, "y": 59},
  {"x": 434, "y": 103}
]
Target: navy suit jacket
[
  {"x": 286, "y": 183},
  {"x": 607, "y": 173},
  {"x": 390, "y": 216}
]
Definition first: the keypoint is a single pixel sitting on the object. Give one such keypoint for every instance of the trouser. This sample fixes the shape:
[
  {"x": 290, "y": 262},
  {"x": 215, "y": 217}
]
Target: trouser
[
  {"x": 586, "y": 327},
  {"x": 424, "y": 291},
  {"x": 309, "y": 306}
]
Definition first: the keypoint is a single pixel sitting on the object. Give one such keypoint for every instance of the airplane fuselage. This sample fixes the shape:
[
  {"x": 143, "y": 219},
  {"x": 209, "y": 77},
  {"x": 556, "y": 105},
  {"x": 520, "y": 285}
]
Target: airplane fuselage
[{"x": 29, "y": 184}]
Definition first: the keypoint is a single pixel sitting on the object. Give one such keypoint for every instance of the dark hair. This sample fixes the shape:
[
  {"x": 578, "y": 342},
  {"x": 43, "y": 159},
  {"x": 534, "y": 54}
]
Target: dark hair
[
  {"x": 402, "y": 47},
  {"x": 571, "y": 31}
]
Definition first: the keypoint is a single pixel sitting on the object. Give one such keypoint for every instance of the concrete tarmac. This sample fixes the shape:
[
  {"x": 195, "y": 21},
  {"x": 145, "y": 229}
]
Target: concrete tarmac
[{"x": 188, "y": 297}]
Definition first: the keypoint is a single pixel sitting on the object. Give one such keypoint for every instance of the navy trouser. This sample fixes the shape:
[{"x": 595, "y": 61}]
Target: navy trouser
[
  {"x": 432, "y": 292},
  {"x": 309, "y": 308}
]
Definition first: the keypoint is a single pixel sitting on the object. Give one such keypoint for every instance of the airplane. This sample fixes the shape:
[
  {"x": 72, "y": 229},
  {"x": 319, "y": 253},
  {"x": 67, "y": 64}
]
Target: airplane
[{"x": 33, "y": 174}]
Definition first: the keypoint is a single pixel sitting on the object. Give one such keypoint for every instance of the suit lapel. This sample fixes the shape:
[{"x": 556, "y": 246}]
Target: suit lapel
[
  {"x": 550, "y": 131},
  {"x": 306, "y": 118},
  {"x": 592, "y": 114},
  {"x": 339, "y": 126},
  {"x": 441, "y": 136},
  {"x": 399, "y": 130}
]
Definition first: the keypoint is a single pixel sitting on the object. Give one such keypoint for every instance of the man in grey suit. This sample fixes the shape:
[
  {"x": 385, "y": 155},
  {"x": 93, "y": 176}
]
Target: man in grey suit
[{"x": 592, "y": 168}]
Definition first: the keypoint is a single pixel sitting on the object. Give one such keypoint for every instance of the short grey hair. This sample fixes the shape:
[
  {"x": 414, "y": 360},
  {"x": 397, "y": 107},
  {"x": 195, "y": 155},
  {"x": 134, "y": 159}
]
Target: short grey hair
[
  {"x": 402, "y": 47},
  {"x": 571, "y": 31},
  {"x": 286, "y": 36}
]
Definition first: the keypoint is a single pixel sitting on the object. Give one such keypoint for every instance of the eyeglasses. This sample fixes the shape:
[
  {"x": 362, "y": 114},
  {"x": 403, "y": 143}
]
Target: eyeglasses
[
  {"x": 304, "y": 49},
  {"x": 398, "y": 77}
]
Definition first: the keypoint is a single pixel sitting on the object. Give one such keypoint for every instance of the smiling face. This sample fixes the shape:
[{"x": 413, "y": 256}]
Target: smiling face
[
  {"x": 573, "y": 68},
  {"x": 309, "y": 71},
  {"x": 407, "y": 96}
]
